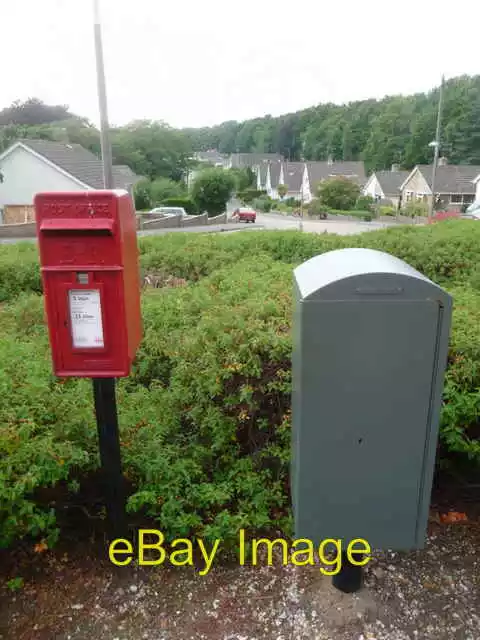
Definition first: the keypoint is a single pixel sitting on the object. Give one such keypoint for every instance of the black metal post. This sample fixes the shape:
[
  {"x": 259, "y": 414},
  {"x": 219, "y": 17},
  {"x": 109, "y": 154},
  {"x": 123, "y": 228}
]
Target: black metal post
[
  {"x": 109, "y": 443},
  {"x": 350, "y": 577}
]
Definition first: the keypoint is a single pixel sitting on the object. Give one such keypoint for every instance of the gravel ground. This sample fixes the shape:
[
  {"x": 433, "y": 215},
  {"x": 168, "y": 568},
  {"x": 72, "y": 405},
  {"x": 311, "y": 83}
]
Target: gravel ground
[{"x": 432, "y": 594}]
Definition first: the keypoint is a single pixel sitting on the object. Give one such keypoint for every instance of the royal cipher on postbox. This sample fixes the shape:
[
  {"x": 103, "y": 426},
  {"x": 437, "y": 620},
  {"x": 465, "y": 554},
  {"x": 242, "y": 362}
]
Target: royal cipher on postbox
[{"x": 91, "y": 281}]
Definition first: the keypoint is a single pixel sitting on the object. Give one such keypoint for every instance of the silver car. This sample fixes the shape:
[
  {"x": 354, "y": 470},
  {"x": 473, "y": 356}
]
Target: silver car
[{"x": 176, "y": 211}]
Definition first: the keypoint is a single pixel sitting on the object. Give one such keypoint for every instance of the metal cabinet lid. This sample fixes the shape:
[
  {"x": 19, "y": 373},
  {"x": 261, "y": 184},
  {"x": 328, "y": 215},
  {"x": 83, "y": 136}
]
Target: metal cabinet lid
[{"x": 320, "y": 276}]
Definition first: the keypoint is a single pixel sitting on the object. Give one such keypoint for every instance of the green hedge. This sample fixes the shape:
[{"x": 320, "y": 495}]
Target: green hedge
[
  {"x": 187, "y": 203},
  {"x": 249, "y": 195},
  {"x": 205, "y": 416}
]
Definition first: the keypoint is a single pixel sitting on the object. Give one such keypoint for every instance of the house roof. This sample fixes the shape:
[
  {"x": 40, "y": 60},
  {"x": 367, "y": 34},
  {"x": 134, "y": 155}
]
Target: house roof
[
  {"x": 318, "y": 171},
  {"x": 451, "y": 178},
  {"x": 391, "y": 181},
  {"x": 80, "y": 163},
  {"x": 293, "y": 175},
  {"x": 212, "y": 155},
  {"x": 274, "y": 173},
  {"x": 240, "y": 160}
]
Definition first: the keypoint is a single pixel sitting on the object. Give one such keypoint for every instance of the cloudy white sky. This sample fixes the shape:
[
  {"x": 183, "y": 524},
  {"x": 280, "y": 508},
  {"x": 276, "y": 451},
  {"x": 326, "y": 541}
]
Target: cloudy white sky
[{"x": 201, "y": 62}]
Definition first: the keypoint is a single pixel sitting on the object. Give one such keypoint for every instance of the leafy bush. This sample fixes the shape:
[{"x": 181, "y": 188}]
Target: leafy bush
[
  {"x": 248, "y": 195},
  {"x": 212, "y": 190},
  {"x": 47, "y": 427},
  {"x": 163, "y": 189},
  {"x": 205, "y": 415},
  {"x": 460, "y": 419},
  {"x": 264, "y": 203},
  {"x": 245, "y": 179},
  {"x": 185, "y": 202},
  {"x": 365, "y": 203},
  {"x": 338, "y": 193},
  {"x": 19, "y": 270},
  {"x": 385, "y": 210},
  {"x": 415, "y": 208},
  {"x": 316, "y": 208},
  {"x": 292, "y": 202},
  {"x": 142, "y": 195}
]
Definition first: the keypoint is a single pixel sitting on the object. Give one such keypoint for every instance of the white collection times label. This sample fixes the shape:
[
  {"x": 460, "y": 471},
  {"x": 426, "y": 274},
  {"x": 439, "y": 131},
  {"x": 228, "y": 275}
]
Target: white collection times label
[{"x": 86, "y": 318}]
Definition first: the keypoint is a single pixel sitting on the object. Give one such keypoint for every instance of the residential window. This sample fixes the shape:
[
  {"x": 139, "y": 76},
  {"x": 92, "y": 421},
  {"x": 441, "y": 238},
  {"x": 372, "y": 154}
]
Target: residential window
[
  {"x": 456, "y": 198},
  {"x": 408, "y": 196},
  {"x": 468, "y": 198}
]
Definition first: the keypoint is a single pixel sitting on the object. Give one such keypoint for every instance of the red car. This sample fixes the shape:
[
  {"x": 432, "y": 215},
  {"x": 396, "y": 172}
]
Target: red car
[{"x": 244, "y": 214}]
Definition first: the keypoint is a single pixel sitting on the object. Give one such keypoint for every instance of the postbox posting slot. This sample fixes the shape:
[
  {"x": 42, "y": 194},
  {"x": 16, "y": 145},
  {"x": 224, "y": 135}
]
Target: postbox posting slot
[{"x": 85, "y": 226}]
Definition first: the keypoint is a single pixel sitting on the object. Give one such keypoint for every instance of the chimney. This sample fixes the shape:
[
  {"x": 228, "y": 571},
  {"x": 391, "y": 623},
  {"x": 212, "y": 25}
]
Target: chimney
[
  {"x": 442, "y": 161},
  {"x": 330, "y": 160},
  {"x": 394, "y": 167}
]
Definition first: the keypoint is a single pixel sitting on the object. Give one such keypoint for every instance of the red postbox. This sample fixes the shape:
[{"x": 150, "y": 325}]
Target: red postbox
[{"x": 91, "y": 281}]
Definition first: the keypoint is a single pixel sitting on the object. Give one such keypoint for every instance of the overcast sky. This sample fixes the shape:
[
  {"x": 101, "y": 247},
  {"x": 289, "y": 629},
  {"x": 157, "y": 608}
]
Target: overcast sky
[{"x": 201, "y": 62}]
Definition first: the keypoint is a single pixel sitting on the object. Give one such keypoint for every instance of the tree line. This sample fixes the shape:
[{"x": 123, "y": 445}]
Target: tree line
[{"x": 393, "y": 130}]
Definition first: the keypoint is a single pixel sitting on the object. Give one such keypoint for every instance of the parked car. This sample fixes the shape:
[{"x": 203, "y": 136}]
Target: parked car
[
  {"x": 244, "y": 214},
  {"x": 177, "y": 211}
]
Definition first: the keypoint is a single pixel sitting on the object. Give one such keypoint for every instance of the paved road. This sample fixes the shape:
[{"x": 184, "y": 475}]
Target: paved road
[
  {"x": 346, "y": 227},
  {"x": 264, "y": 221}
]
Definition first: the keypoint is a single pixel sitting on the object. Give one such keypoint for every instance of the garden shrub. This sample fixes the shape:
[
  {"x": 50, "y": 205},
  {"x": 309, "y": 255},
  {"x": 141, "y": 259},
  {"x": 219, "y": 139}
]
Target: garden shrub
[
  {"x": 415, "y": 208},
  {"x": 248, "y": 195},
  {"x": 263, "y": 203},
  {"x": 19, "y": 270},
  {"x": 187, "y": 203},
  {"x": 385, "y": 210},
  {"x": 365, "y": 203},
  {"x": 205, "y": 415},
  {"x": 316, "y": 208}
]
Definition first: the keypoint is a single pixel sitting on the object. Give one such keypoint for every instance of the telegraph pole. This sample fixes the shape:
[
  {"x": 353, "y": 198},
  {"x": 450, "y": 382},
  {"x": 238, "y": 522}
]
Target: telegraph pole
[
  {"x": 436, "y": 144},
  {"x": 104, "y": 388}
]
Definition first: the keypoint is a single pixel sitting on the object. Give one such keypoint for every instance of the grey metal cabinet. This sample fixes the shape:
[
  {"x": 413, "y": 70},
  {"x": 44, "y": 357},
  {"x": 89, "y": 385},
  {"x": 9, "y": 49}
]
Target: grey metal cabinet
[{"x": 370, "y": 344}]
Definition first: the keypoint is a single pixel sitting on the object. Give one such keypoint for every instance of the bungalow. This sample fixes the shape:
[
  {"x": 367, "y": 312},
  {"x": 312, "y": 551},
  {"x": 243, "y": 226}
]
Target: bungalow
[
  {"x": 32, "y": 166},
  {"x": 291, "y": 175},
  {"x": 316, "y": 172},
  {"x": 454, "y": 185},
  {"x": 261, "y": 173},
  {"x": 385, "y": 185},
  {"x": 274, "y": 170}
]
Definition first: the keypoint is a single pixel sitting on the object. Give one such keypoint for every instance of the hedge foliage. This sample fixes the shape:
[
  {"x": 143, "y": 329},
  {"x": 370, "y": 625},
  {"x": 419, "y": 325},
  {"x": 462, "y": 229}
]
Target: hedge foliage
[{"x": 205, "y": 415}]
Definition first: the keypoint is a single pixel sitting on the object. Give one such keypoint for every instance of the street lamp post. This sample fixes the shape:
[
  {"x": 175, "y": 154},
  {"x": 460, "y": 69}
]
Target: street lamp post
[
  {"x": 436, "y": 145},
  {"x": 102, "y": 101},
  {"x": 104, "y": 388}
]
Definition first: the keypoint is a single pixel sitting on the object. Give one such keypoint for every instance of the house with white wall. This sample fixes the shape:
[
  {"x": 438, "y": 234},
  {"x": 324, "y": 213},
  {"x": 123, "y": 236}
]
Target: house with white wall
[
  {"x": 316, "y": 172},
  {"x": 274, "y": 170},
  {"x": 384, "y": 186},
  {"x": 32, "y": 166},
  {"x": 455, "y": 186},
  {"x": 291, "y": 175}
]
